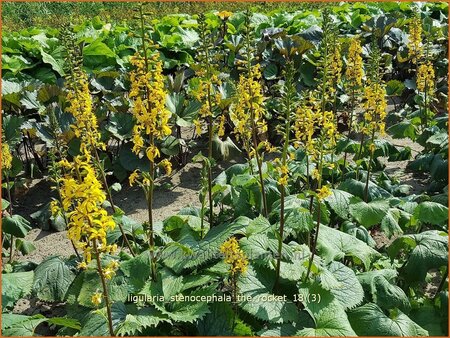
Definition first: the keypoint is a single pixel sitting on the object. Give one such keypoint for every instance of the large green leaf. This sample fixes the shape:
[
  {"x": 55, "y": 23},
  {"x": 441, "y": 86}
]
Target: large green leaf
[
  {"x": 431, "y": 212},
  {"x": 98, "y": 48},
  {"x": 205, "y": 250},
  {"x": 297, "y": 216},
  {"x": 20, "y": 325},
  {"x": 15, "y": 286},
  {"x": 15, "y": 225},
  {"x": 138, "y": 319},
  {"x": 255, "y": 283},
  {"x": 329, "y": 316},
  {"x": 390, "y": 223},
  {"x": 427, "y": 250},
  {"x": 339, "y": 202},
  {"x": 219, "y": 322},
  {"x": 348, "y": 291},
  {"x": 335, "y": 245},
  {"x": 368, "y": 214},
  {"x": 370, "y": 320},
  {"x": 52, "y": 279}
]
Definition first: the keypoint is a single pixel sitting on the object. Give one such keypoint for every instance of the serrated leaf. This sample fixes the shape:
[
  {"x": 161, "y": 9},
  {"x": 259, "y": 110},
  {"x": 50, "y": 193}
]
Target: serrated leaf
[
  {"x": 389, "y": 223},
  {"x": 370, "y": 320},
  {"x": 368, "y": 214},
  {"x": 15, "y": 286},
  {"x": 350, "y": 292},
  {"x": 389, "y": 296},
  {"x": 427, "y": 250},
  {"x": 431, "y": 213},
  {"x": 329, "y": 316},
  {"x": 339, "y": 202},
  {"x": 257, "y": 285},
  {"x": 333, "y": 244},
  {"x": 20, "y": 325},
  {"x": 52, "y": 279}
]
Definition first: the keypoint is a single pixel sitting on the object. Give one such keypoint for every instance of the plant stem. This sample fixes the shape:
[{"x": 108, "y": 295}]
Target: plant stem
[
  {"x": 350, "y": 124},
  {"x": 108, "y": 193},
  {"x": 105, "y": 289},
  {"x": 150, "y": 215},
  {"x": 441, "y": 284},
  {"x": 289, "y": 91},
  {"x": 369, "y": 166},
  {"x": 314, "y": 244},
  {"x": 8, "y": 190}
]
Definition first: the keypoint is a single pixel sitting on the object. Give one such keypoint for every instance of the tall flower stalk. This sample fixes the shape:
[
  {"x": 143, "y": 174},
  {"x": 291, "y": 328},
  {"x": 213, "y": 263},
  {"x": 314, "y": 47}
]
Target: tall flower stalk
[
  {"x": 6, "y": 165},
  {"x": 324, "y": 122},
  {"x": 207, "y": 93},
  {"x": 288, "y": 106},
  {"x": 353, "y": 81},
  {"x": 82, "y": 198},
  {"x": 375, "y": 108},
  {"x": 248, "y": 114},
  {"x": 148, "y": 95},
  {"x": 238, "y": 262},
  {"x": 79, "y": 104}
]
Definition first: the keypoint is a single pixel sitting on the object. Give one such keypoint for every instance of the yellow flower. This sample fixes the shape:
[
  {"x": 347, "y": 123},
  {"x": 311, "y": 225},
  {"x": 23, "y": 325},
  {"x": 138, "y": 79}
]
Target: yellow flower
[
  {"x": 221, "y": 131},
  {"x": 108, "y": 273},
  {"x": 316, "y": 174},
  {"x": 80, "y": 106},
  {"x": 96, "y": 298},
  {"x": 248, "y": 113},
  {"x": 375, "y": 107},
  {"x": 55, "y": 208},
  {"x": 133, "y": 176},
  {"x": 198, "y": 127},
  {"x": 354, "y": 71},
  {"x": 415, "y": 39},
  {"x": 323, "y": 192},
  {"x": 82, "y": 265},
  {"x": 113, "y": 264},
  {"x": 152, "y": 153},
  {"x": 148, "y": 94},
  {"x": 224, "y": 15},
  {"x": 6, "y": 156},
  {"x": 425, "y": 78},
  {"x": 234, "y": 256},
  {"x": 372, "y": 147},
  {"x": 82, "y": 199},
  {"x": 335, "y": 66},
  {"x": 167, "y": 166},
  {"x": 284, "y": 175}
]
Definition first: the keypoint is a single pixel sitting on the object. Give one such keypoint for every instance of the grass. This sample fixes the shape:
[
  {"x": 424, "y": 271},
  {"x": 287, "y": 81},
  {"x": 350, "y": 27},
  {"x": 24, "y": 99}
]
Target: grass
[{"x": 20, "y": 15}]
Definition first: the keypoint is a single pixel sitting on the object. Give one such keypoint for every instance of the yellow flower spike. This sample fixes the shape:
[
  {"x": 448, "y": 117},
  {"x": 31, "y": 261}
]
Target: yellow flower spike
[
  {"x": 234, "y": 256},
  {"x": 415, "y": 47},
  {"x": 354, "y": 71},
  {"x": 375, "y": 105},
  {"x": 133, "y": 177},
  {"x": 323, "y": 192},
  {"x": 425, "y": 78},
  {"x": 96, "y": 298},
  {"x": 221, "y": 131},
  {"x": 148, "y": 94},
  {"x": 224, "y": 15},
  {"x": 6, "y": 156}
]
